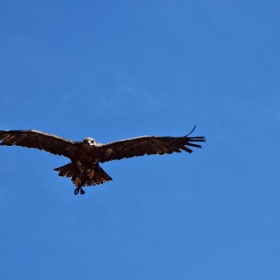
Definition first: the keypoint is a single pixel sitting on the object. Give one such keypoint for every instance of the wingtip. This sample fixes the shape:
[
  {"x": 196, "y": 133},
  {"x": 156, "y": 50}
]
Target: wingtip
[{"x": 196, "y": 138}]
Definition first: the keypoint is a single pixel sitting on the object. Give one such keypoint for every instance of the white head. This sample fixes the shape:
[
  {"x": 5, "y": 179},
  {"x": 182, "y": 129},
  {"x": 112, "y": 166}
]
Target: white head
[{"x": 89, "y": 141}]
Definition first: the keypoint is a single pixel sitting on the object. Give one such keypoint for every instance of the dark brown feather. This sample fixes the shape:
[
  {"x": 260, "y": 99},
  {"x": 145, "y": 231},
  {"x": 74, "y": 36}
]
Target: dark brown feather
[
  {"x": 38, "y": 140},
  {"x": 147, "y": 145}
]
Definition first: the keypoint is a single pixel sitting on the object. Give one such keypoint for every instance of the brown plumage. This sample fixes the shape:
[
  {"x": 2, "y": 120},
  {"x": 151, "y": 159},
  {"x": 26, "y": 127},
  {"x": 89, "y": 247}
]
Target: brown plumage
[{"x": 86, "y": 155}]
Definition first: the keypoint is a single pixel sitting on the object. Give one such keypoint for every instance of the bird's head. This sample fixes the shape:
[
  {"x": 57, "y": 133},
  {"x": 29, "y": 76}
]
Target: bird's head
[{"x": 89, "y": 141}]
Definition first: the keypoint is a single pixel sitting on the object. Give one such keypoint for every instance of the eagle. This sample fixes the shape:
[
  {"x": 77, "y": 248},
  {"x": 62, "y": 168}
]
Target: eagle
[{"x": 86, "y": 155}]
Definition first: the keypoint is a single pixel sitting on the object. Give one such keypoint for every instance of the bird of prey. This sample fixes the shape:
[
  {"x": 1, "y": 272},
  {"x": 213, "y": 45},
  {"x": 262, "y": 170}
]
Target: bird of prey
[{"x": 86, "y": 155}]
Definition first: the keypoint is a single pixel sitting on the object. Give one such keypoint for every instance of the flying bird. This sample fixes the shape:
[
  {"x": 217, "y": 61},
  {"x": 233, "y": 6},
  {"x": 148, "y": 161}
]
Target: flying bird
[{"x": 86, "y": 155}]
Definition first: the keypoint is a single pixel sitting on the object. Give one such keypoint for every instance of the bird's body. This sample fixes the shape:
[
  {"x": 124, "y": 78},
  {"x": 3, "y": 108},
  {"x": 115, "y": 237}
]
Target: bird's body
[{"x": 86, "y": 155}]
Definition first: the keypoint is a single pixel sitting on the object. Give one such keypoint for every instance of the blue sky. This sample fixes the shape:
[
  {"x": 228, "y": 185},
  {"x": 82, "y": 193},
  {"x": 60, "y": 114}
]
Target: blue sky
[{"x": 121, "y": 69}]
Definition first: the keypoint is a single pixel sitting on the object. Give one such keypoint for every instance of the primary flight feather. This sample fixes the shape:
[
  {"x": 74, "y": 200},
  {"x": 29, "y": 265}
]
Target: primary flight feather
[{"x": 86, "y": 155}]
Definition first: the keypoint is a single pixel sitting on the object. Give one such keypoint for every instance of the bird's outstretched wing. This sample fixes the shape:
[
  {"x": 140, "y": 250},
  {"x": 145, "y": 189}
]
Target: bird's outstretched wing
[
  {"x": 38, "y": 140},
  {"x": 148, "y": 145}
]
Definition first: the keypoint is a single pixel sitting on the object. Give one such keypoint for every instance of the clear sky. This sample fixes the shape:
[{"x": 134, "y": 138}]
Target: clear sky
[{"x": 119, "y": 69}]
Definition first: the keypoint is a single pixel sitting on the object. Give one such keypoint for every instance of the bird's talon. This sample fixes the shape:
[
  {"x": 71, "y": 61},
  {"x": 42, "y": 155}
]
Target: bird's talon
[{"x": 76, "y": 191}]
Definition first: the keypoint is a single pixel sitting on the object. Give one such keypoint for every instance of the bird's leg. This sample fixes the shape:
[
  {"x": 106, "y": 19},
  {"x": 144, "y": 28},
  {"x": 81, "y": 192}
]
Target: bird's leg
[
  {"x": 78, "y": 181},
  {"x": 90, "y": 173},
  {"x": 79, "y": 188}
]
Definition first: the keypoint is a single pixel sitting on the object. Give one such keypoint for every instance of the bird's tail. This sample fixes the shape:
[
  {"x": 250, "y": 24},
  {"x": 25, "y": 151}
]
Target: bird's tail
[
  {"x": 95, "y": 176},
  {"x": 89, "y": 176},
  {"x": 67, "y": 170}
]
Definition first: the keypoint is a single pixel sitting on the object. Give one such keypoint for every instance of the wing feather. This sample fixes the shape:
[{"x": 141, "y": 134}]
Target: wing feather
[
  {"x": 38, "y": 140},
  {"x": 148, "y": 145}
]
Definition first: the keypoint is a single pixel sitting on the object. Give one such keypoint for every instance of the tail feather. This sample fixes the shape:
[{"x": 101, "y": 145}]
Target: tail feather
[
  {"x": 96, "y": 177},
  {"x": 66, "y": 170},
  {"x": 89, "y": 177}
]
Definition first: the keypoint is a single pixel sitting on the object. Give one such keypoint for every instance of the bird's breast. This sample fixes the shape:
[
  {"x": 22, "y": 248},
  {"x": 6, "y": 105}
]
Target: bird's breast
[{"x": 87, "y": 154}]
